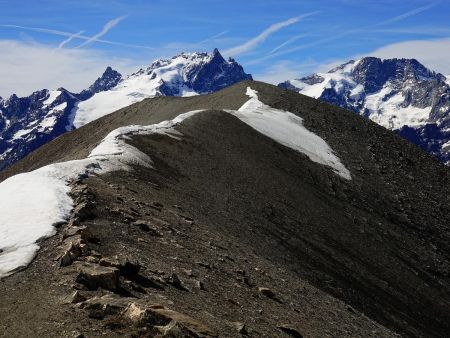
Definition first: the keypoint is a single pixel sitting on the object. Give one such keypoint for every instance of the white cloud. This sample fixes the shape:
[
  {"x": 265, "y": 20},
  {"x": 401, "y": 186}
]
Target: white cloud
[
  {"x": 25, "y": 67},
  {"x": 434, "y": 54},
  {"x": 73, "y": 35},
  {"x": 254, "y": 42},
  {"x": 285, "y": 70},
  {"x": 287, "y": 42},
  {"x": 106, "y": 28},
  {"x": 70, "y": 38}
]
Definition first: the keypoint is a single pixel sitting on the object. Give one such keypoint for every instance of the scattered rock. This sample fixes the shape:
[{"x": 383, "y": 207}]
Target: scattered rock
[
  {"x": 188, "y": 220},
  {"x": 173, "y": 329},
  {"x": 94, "y": 276},
  {"x": 87, "y": 235},
  {"x": 240, "y": 328},
  {"x": 73, "y": 230},
  {"x": 77, "y": 297},
  {"x": 268, "y": 293},
  {"x": 147, "y": 227},
  {"x": 158, "y": 315},
  {"x": 126, "y": 268},
  {"x": 176, "y": 282},
  {"x": 199, "y": 285},
  {"x": 84, "y": 210},
  {"x": 100, "y": 307},
  {"x": 189, "y": 273},
  {"x": 73, "y": 222},
  {"x": 290, "y": 330},
  {"x": 75, "y": 249}
]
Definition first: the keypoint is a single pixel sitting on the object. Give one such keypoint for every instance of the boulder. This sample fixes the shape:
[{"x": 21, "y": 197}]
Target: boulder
[
  {"x": 268, "y": 293},
  {"x": 74, "y": 249},
  {"x": 290, "y": 330},
  {"x": 100, "y": 307},
  {"x": 77, "y": 297},
  {"x": 159, "y": 316},
  {"x": 84, "y": 210},
  {"x": 95, "y": 276},
  {"x": 240, "y": 328}
]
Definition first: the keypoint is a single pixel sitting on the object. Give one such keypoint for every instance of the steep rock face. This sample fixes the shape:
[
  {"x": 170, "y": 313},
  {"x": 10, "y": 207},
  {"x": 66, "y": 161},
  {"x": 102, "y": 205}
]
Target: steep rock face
[
  {"x": 108, "y": 80},
  {"x": 399, "y": 94},
  {"x": 29, "y": 122}
]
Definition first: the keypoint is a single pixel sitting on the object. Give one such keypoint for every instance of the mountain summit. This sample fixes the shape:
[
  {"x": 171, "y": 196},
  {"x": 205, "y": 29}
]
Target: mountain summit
[
  {"x": 399, "y": 94},
  {"x": 29, "y": 122}
]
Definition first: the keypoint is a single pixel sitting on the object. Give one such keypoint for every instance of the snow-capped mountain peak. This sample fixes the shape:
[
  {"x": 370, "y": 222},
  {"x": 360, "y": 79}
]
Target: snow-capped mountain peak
[
  {"x": 398, "y": 94},
  {"x": 185, "y": 74},
  {"x": 27, "y": 123}
]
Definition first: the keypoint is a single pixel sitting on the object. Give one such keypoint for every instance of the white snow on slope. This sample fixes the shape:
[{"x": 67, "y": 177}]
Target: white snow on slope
[
  {"x": 287, "y": 129},
  {"x": 41, "y": 126},
  {"x": 339, "y": 80},
  {"x": 447, "y": 79},
  {"x": 139, "y": 86},
  {"x": 32, "y": 203},
  {"x": 384, "y": 109},
  {"x": 391, "y": 114},
  {"x": 52, "y": 96}
]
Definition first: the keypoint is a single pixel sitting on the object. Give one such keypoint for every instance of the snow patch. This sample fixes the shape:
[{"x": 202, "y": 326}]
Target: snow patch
[
  {"x": 141, "y": 85},
  {"x": 389, "y": 112},
  {"x": 52, "y": 96},
  {"x": 32, "y": 203},
  {"x": 287, "y": 129}
]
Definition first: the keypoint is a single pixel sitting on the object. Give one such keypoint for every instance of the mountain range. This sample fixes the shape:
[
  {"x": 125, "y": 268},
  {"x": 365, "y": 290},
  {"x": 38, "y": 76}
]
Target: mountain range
[
  {"x": 399, "y": 94},
  {"x": 252, "y": 211},
  {"x": 29, "y": 122}
]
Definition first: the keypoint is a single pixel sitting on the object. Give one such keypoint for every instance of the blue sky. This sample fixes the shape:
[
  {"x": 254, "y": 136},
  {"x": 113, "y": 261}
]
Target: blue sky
[{"x": 68, "y": 43}]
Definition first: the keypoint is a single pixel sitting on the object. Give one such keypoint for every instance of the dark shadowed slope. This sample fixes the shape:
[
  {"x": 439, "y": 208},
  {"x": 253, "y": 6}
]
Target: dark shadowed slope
[{"x": 242, "y": 212}]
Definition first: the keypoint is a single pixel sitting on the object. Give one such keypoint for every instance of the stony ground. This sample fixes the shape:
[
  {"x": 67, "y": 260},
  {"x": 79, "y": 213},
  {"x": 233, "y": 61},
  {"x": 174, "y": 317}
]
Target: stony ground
[{"x": 231, "y": 234}]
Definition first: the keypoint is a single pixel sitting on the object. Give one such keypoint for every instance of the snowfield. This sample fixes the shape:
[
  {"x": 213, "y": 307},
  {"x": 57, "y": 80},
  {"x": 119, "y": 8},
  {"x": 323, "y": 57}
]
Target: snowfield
[
  {"x": 32, "y": 203},
  {"x": 139, "y": 86},
  {"x": 287, "y": 129},
  {"x": 382, "y": 107}
]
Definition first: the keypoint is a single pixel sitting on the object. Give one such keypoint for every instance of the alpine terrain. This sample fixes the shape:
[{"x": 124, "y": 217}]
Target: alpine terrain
[
  {"x": 399, "y": 94},
  {"x": 29, "y": 122},
  {"x": 252, "y": 211}
]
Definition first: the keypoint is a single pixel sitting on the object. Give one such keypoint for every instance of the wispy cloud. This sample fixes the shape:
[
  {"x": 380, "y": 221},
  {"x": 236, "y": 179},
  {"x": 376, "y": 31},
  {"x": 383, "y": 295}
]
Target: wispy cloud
[
  {"x": 106, "y": 28},
  {"x": 406, "y": 15},
  {"x": 70, "y": 38},
  {"x": 212, "y": 38},
  {"x": 74, "y": 69},
  {"x": 343, "y": 34},
  {"x": 254, "y": 42},
  {"x": 69, "y": 34},
  {"x": 282, "y": 70},
  {"x": 287, "y": 42}
]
